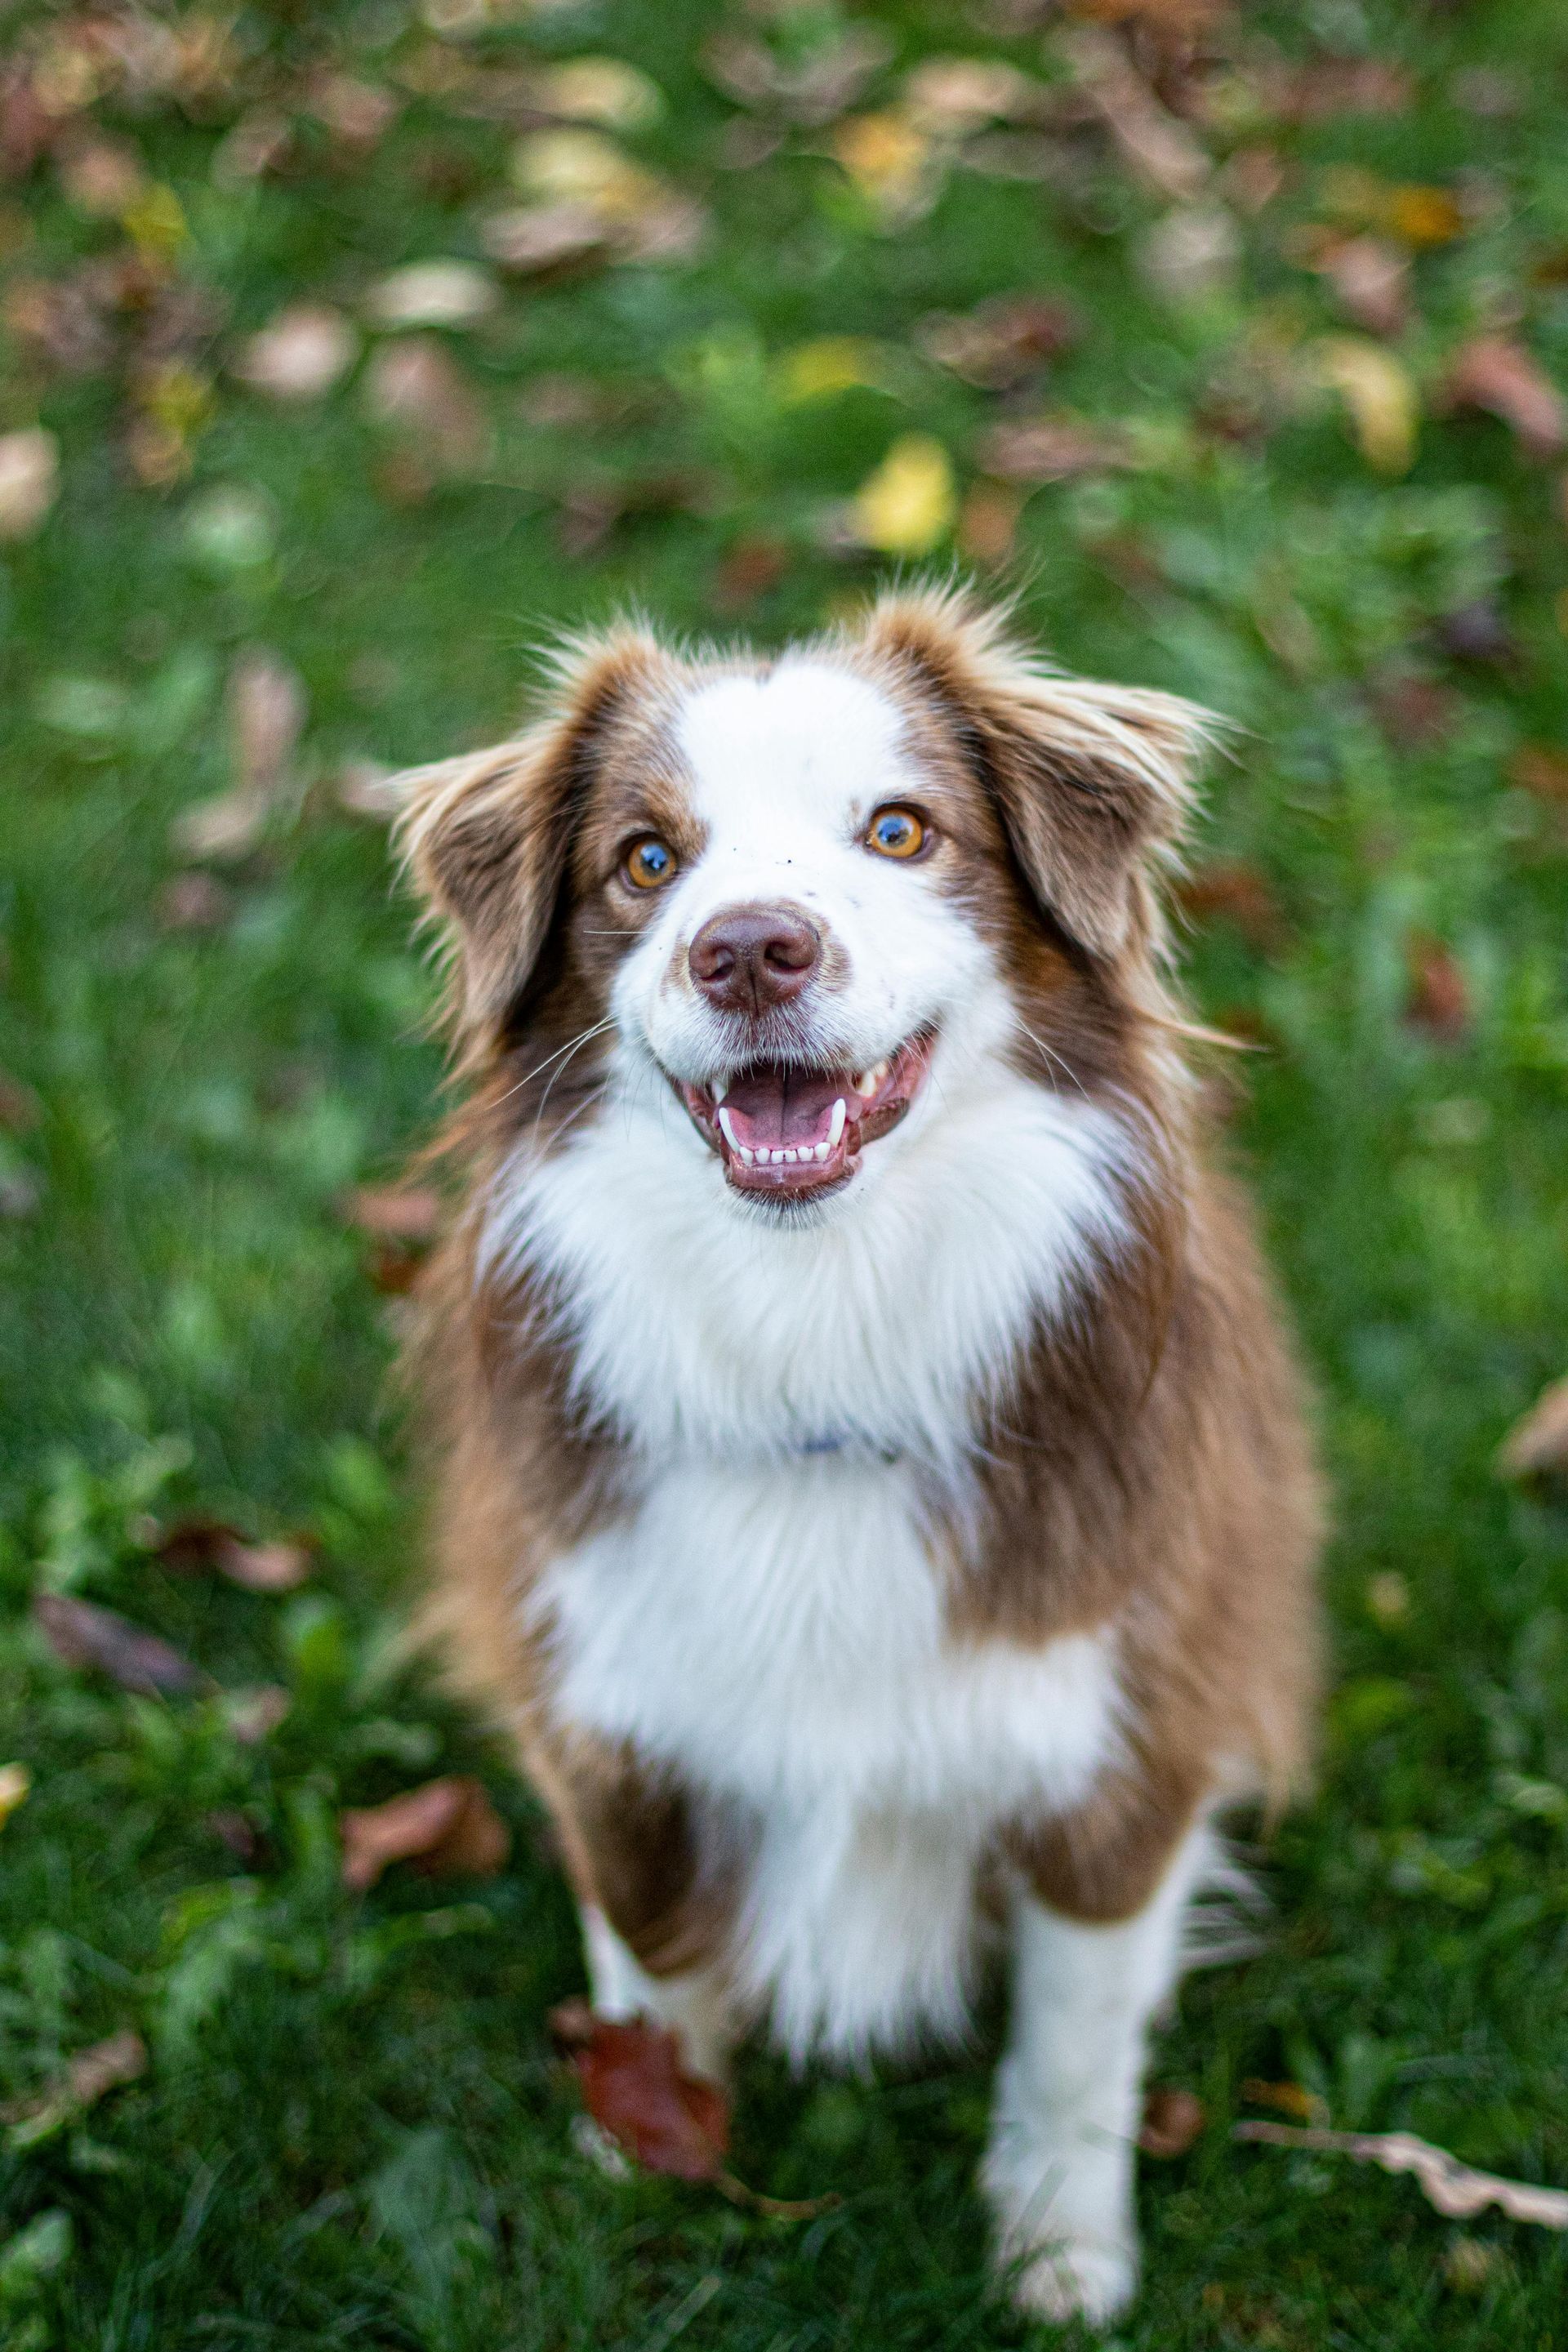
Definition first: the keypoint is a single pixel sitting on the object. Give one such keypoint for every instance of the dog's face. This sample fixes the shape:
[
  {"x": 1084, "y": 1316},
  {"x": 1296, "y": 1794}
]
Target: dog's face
[{"x": 812, "y": 900}]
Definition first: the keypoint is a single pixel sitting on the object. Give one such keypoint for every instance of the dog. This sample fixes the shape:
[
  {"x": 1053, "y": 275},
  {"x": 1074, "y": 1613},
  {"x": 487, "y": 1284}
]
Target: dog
[{"x": 874, "y": 1483}]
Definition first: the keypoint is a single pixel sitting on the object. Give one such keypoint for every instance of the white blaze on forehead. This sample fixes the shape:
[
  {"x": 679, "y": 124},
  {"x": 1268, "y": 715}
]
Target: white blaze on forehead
[{"x": 808, "y": 747}]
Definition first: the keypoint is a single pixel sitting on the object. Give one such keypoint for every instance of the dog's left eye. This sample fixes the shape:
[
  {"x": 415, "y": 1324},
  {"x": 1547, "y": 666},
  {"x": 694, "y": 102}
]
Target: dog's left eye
[
  {"x": 895, "y": 833},
  {"x": 649, "y": 863}
]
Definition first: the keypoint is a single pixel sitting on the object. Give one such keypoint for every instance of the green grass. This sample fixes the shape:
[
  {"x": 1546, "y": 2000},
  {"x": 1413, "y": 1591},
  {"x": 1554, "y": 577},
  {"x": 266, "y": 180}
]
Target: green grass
[{"x": 351, "y": 2131}]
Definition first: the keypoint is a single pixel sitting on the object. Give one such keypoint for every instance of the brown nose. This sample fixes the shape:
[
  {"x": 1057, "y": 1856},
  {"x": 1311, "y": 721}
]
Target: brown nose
[{"x": 749, "y": 959}]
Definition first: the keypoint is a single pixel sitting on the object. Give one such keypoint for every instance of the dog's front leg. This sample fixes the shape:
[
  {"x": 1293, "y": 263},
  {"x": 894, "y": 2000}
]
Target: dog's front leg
[
  {"x": 692, "y": 2003},
  {"x": 1059, "y": 2168}
]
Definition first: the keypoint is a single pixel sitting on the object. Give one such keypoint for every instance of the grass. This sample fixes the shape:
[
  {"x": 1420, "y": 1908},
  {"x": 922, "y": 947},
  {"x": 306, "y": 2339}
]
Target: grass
[{"x": 350, "y": 2131}]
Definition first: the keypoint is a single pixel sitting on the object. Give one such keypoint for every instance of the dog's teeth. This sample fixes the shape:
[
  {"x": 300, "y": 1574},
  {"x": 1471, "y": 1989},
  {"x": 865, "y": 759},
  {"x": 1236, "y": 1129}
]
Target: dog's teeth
[
  {"x": 839, "y": 1115},
  {"x": 747, "y": 1158},
  {"x": 730, "y": 1137},
  {"x": 870, "y": 1080},
  {"x": 719, "y": 1091},
  {"x": 780, "y": 1157},
  {"x": 821, "y": 1150}
]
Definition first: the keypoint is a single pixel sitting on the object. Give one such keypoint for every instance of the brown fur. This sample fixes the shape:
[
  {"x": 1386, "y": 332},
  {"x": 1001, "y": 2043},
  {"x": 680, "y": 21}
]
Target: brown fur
[{"x": 1149, "y": 1465}]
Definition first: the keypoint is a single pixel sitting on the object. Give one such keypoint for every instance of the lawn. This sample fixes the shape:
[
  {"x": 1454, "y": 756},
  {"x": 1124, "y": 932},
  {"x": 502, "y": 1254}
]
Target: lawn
[{"x": 1276, "y": 426}]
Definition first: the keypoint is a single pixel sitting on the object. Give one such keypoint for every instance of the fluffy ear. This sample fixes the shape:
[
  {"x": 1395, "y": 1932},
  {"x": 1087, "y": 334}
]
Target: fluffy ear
[
  {"x": 486, "y": 835},
  {"x": 1090, "y": 780}
]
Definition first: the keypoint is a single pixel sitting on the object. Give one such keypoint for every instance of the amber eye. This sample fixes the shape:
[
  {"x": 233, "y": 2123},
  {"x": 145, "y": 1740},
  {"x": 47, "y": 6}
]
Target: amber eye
[
  {"x": 895, "y": 833},
  {"x": 651, "y": 862}
]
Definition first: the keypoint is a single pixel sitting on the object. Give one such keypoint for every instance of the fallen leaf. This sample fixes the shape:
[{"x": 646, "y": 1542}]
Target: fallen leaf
[
  {"x": 988, "y": 521},
  {"x": 1477, "y": 632},
  {"x": 1538, "y": 1444},
  {"x": 88, "y": 2078},
  {"x": 196, "y": 901},
  {"x": 1380, "y": 393},
  {"x": 16, "y": 1786},
  {"x": 894, "y": 164},
  {"x": 1439, "y": 998},
  {"x": 602, "y": 90},
  {"x": 812, "y": 85},
  {"x": 199, "y": 1547},
  {"x": 301, "y": 354},
  {"x": 635, "y": 2087},
  {"x": 907, "y": 505},
  {"x": 1003, "y": 341},
  {"x": 433, "y": 294},
  {"x": 531, "y": 239},
  {"x": 392, "y": 1213},
  {"x": 357, "y": 113},
  {"x": 414, "y": 386},
  {"x": 1289, "y": 2098},
  {"x": 82, "y": 1634},
  {"x": 749, "y": 569},
  {"x": 253, "y": 1715},
  {"x": 1053, "y": 449},
  {"x": 1456, "y": 2189},
  {"x": 1412, "y": 709},
  {"x": 1540, "y": 769},
  {"x": 583, "y": 167},
  {"x": 1174, "y": 2121},
  {"x": 1495, "y": 374},
  {"x": 236, "y": 1830},
  {"x": 1370, "y": 279},
  {"x": 1160, "y": 150},
  {"x": 1236, "y": 892},
  {"x": 29, "y": 480},
  {"x": 1191, "y": 253},
  {"x": 831, "y": 364},
  {"x": 1425, "y": 215},
  {"x": 448, "y": 1828},
  {"x": 19, "y": 1106},
  {"x": 948, "y": 97},
  {"x": 267, "y": 712}
]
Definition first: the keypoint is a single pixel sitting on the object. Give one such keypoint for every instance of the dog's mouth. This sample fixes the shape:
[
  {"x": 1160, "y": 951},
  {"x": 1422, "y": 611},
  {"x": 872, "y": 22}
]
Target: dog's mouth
[{"x": 786, "y": 1131}]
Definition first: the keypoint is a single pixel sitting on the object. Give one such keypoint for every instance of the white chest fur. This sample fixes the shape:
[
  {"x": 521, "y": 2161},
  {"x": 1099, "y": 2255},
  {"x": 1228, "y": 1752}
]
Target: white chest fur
[{"x": 773, "y": 1633}]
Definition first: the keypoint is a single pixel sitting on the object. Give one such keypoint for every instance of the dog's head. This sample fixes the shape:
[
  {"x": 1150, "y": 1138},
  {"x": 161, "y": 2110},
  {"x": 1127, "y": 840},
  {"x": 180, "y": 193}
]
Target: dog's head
[{"x": 810, "y": 900}]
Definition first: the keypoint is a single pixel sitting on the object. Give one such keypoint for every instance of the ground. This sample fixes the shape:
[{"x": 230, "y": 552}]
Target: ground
[{"x": 1299, "y": 277}]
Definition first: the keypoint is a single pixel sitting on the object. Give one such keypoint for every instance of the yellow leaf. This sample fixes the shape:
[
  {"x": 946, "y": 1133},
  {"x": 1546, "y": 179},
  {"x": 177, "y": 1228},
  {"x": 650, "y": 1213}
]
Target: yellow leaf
[
  {"x": 886, "y": 156},
  {"x": 16, "y": 1783},
  {"x": 583, "y": 167},
  {"x": 831, "y": 364},
  {"x": 155, "y": 223},
  {"x": 606, "y": 91},
  {"x": 1421, "y": 216},
  {"x": 907, "y": 505},
  {"x": 1380, "y": 393}
]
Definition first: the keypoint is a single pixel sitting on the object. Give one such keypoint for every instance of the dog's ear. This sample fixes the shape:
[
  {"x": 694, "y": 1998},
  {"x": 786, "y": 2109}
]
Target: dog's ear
[
  {"x": 1092, "y": 782},
  {"x": 486, "y": 836}
]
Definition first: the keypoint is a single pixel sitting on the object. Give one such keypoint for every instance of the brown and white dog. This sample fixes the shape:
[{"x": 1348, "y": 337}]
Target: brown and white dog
[{"x": 874, "y": 1483}]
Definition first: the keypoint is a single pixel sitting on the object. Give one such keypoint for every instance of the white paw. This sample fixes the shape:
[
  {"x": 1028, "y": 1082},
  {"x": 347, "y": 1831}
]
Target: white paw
[{"x": 1079, "y": 2278}]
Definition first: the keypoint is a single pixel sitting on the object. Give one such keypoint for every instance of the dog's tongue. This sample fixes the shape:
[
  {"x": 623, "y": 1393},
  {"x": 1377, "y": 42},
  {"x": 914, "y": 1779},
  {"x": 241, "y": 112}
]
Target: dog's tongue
[{"x": 780, "y": 1109}]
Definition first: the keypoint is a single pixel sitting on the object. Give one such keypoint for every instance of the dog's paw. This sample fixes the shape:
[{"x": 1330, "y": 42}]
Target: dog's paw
[{"x": 1077, "y": 2278}]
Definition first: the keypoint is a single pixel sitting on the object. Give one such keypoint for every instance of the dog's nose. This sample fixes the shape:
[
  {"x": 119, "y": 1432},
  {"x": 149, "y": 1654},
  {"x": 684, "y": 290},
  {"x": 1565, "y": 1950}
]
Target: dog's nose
[{"x": 749, "y": 959}]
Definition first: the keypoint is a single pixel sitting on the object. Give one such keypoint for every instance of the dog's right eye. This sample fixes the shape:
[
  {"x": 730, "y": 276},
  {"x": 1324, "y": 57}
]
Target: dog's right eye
[{"x": 649, "y": 863}]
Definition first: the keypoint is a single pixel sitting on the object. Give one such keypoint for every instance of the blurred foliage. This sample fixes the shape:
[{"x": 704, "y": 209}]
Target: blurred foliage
[{"x": 348, "y": 352}]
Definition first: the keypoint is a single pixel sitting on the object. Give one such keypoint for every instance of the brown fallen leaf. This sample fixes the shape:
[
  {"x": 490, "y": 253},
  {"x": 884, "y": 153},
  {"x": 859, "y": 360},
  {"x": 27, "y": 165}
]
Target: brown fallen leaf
[
  {"x": 1053, "y": 449},
  {"x": 1158, "y": 148},
  {"x": 1174, "y": 2121},
  {"x": 988, "y": 521},
  {"x": 267, "y": 711},
  {"x": 19, "y": 1106},
  {"x": 1439, "y": 998},
  {"x": 1002, "y": 341},
  {"x": 1498, "y": 375},
  {"x": 394, "y": 1213},
  {"x": 448, "y": 1828},
  {"x": 1538, "y": 1444},
  {"x": 442, "y": 293},
  {"x": 1232, "y": 890},
  {"x": 1289, "y": 2098},
  {"x": 1456, "y": 2189},
  {"x": 254, "y": 1715},
  {"x": 530, "y": 239},
  {"x": 413, "y": 386},
  {"x": 81, "y": 1633},
  {"x": 1370, "y": 279},
  {"x": 92, "y": 2074},
  {"x": 812, "y": 86},
  {"x": 194, "y": 901},
  {"x": 1540, "y": 769},
  {"x": 638, "y": 2092},
  {"x": 635, "y": 2087},
  {"x": 196, "y": 1547}
]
